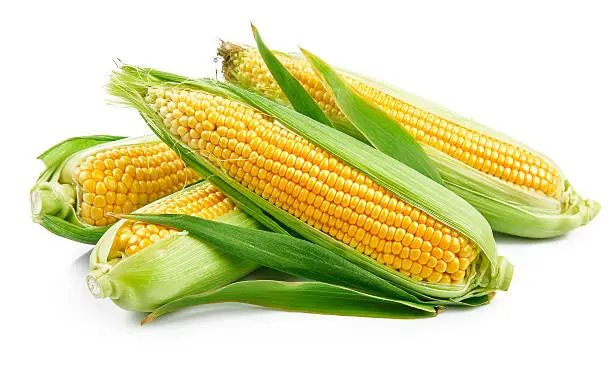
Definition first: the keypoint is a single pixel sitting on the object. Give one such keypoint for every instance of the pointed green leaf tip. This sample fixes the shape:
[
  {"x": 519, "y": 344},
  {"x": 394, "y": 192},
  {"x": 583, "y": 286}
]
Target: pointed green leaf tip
[
  {"x": 299, "y": 98},
  {"x": 382, "y": 131},
  {"x": 308, "y": 297}
]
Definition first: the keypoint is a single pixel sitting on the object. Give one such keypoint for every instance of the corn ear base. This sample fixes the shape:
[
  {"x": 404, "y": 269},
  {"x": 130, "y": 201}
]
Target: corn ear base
[
  {"x": 52, "y": 200},
  {"x": 170, "y": 268},
  {"x": 491, "y": 273}
]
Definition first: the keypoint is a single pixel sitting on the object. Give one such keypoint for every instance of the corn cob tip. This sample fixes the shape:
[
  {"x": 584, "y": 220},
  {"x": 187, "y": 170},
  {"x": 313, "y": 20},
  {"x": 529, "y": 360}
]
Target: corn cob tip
[
  {"x": 225, "y": 51},
  {"x": 51, "y": 198}
]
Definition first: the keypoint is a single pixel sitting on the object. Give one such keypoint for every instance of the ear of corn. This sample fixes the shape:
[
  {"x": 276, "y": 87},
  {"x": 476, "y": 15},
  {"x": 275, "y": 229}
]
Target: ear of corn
[
  {"x": 88, "y": 178},
  {"x": 142, "y": 266},
  {"x": 326, "y": 186},
  {"x": 518, "y": 190}
]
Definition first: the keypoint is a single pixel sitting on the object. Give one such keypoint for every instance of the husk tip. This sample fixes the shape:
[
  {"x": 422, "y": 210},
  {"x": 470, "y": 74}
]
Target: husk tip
[
  {"x": 504, "y": 274},
  {"x": 148, "y": 319},
  {"x": 593, "y": 209}
]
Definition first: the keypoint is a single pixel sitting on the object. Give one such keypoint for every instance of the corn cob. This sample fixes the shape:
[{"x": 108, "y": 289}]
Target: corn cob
[
  {"x": 85, "y": 187},
  {"x": 141, "y": 266},
  {"x": 306, "y": 181},
  {"x": 263, "y": 156},
  {"x": 527, "y": 185}
]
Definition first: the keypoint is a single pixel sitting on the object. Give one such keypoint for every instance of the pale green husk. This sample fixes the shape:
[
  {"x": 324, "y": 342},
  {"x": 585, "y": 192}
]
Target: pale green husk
[
  {"x": 170, "y": 268},
  {"x": 507, "y": 208},
  {"x": 489, "y": 273}
]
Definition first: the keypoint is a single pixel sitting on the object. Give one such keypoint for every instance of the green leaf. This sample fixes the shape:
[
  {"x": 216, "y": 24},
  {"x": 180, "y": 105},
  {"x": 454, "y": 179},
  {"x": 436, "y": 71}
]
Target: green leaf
[
  {"x": 281, "y": 252},
  {"x": 299, "y": 98},
  {"x": 71, "y": 230},
  {"x": 309, "y": 297},
  {"x": 382, "y": 131},
  {"x": 60, "y": 151}
]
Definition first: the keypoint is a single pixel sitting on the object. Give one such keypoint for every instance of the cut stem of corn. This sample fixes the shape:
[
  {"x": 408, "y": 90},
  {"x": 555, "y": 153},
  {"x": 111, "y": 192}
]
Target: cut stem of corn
[
  {"x": 519, "y": 190},
  {"x": 88, "y": 180},
  {"x": 142, "y": 266},
  {"x": 431, "y": 240}
]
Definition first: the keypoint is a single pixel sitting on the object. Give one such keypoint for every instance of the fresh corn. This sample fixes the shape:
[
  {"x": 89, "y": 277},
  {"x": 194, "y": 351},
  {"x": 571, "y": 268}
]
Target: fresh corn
[
  {"x": 83, "y": 189},
  {"x": 309, "y": 183},
  {"x": 519, "y": 191},
  {"x": 142, "y": 266},
  {"x": 423, "y": 234}
]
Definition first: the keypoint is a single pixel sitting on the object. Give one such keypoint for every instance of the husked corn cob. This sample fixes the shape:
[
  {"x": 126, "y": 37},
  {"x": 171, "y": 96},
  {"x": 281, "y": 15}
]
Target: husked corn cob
[
  {"x": 84, "y": 184},
  {"x": 539, "y": 185},
  {"x": 311, "y": 184},
  {"x": 141, "y": 266},
  {"x": 125, "y": 178},
  {"x": 205, "y": 201}
]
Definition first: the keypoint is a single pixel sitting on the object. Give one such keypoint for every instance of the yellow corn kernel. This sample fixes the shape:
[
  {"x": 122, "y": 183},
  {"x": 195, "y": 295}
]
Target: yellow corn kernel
[
  {"x": 204, "y": 201},
  {"x": 108, "y": 180}
]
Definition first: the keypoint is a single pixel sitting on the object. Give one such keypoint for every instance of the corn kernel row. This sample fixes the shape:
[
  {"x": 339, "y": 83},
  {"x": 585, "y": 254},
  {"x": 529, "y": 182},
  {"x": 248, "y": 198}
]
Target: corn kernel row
[
  {"x": 204, "y": 201},
  {"x": 123, "y": 179}
]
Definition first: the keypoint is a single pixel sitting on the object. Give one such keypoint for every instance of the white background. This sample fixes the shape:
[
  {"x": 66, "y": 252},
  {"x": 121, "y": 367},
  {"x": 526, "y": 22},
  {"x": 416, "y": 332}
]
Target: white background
[{"x": 540, "y": 72}]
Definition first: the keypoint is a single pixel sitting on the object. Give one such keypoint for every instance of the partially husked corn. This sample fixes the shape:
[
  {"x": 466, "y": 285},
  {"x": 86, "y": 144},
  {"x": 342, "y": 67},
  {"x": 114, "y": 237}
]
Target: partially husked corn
[
  {"x": 123, "y": 179},
  {"x": 204, "y": 201},
  {"x": 142, "y": 266},
  {"x": 505, "y": 161},
  {"x": 311, "y": 184}
]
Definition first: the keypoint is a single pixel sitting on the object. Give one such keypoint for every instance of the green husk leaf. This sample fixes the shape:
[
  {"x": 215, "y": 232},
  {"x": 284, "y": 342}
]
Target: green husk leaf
[
  {"x": 71, "y": 230},
  {"x": 299, "y": 98},
  {"x": 60, "y": 151},
  {"x": 491, "y": 272},
  {"x": 382, "y": 131},
  {"x": 281, "y": 252},
  {"x": 53, "y": 202},
  {"x": 308, "y": 297}
]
